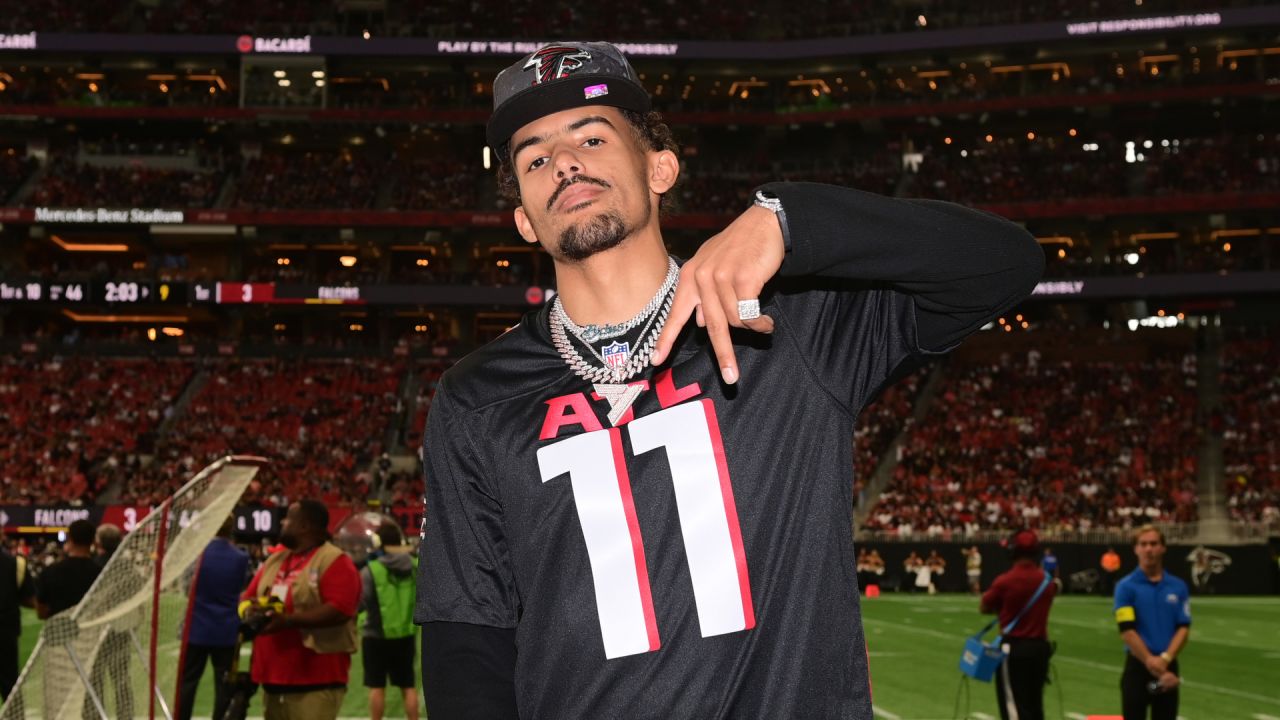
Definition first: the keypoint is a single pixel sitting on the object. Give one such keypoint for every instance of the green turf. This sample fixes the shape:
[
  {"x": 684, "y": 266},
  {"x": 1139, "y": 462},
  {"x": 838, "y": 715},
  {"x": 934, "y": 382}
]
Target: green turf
[{"x": 1231, "y": 666}]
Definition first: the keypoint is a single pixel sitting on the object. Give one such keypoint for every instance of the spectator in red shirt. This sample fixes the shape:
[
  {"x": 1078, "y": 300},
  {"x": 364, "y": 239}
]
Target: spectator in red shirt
[
  {"x": 1021, "y": 679},
  {"x": 302, "y": 655}
]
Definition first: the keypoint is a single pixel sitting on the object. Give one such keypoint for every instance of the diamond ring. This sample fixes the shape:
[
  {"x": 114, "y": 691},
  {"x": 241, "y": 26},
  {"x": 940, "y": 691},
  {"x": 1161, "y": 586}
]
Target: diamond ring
[{"x": 749, "y": 309}]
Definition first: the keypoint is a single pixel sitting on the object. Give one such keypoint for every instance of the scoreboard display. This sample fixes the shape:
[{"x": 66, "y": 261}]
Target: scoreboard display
[
  {"x": 141, "y": 292},
  {"x": 110, "y": 292}
]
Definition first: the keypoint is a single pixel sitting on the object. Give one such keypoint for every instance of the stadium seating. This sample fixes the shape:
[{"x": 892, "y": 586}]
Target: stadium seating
[
  {"x": 321, "y": 422},
  {"x": 74, "y": 425},
  {"x": 1251, "y": 404},
  {"x": 1058, "y": 446}
]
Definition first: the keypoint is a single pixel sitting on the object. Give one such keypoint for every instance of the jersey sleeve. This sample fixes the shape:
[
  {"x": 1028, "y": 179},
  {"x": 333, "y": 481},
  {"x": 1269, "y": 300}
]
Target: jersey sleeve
[
  {"x": 1126, "y": 615},
  {"x": 464, "y": 574},
  {"x": 899, "y": 278}
]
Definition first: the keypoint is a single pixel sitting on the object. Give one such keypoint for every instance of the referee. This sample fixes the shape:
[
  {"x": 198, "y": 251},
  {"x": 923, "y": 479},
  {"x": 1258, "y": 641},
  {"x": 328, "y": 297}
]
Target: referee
[{"x": 1153, "y": 610}]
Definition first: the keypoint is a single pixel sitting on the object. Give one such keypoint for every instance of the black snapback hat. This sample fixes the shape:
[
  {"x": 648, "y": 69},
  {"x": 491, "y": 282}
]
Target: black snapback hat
[{"x": 559, "y": 76}]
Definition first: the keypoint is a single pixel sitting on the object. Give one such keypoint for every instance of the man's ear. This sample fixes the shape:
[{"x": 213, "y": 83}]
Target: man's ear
[
  {"x": 664, "y": 170},
  {"x": 524, "y": 226}
]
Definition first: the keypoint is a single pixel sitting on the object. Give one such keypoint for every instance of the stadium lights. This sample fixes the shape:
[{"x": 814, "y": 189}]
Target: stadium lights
[
  {"x": 366, "y": 35},
  {"x": 423, "y": 262},
  {"x": 88, "y": 247},
  {"x": 1056, "y": 239},
  {"x": 420, "y": 328},
  {"x": 317, "y": 74},
  {"x": 1237, "y": 232},
  {"x": 284, "y": 82},
  {"x": 1072, "y": 132},
  {"x": 347, "y": 260},
  {"x": 173, "y": 331},
  {"x": 279, "y": 73},
  {"x": 1131, "y": 258},
  {"x": 1062, "y": 253},
  {"x": 86, "y": 318},
  {"x": 487, "y": 156},
  {"x": 319, "y": 83}
]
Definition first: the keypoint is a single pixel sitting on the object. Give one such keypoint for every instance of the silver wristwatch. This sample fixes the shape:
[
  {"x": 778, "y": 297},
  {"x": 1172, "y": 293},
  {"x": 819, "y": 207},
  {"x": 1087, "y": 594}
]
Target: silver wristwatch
[
  {"x": 767, "y": 200},
  {"x": 770, "y": 201}
]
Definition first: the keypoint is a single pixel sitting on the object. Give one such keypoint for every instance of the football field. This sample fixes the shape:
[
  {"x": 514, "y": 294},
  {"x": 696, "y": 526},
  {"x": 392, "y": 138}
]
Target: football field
[{"x": 1231, "y": 665}]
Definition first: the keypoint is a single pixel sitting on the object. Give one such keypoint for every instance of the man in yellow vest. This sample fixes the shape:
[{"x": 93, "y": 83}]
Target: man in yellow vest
[
  {"x": 301, "y": 657},
  {"x": 387, "y": 600}
]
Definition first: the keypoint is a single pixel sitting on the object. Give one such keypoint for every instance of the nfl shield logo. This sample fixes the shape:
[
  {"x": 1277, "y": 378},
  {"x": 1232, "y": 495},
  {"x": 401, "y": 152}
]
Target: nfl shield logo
[{"x": 616, "y": 355}]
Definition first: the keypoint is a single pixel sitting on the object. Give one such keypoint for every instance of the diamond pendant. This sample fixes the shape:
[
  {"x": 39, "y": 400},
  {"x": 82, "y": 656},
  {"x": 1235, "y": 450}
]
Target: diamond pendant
[{"x": 620, "y": 398}]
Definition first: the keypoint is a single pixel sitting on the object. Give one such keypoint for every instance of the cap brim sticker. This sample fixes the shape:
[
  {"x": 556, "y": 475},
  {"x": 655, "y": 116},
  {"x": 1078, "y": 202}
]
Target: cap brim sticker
[{"x": 595, "y": 91}]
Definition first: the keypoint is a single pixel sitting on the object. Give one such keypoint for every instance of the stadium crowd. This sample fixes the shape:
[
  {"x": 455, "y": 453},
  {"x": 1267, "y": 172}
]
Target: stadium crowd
[
  {"x": 321, "y": 422},
  {"x": 1251, "y": 404},
  {"x": 1048, "y": 445},
  {"x": 73, "y": 426}
]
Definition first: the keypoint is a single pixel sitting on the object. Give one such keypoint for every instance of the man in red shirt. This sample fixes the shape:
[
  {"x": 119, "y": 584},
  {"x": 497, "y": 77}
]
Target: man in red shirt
[
  {"x": 1021, "y": 679},
  {"x": 302, "y": 655}
]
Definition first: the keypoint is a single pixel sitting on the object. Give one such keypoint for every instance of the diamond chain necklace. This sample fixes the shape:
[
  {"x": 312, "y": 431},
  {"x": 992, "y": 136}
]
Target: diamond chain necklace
[
  {"x": 655, "y": 313},
  {"x": 591, "y": 333}
]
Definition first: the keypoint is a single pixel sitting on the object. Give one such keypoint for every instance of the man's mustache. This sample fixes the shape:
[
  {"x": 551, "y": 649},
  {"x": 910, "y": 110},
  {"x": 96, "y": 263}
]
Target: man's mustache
[{"x": 574, "y": 181}]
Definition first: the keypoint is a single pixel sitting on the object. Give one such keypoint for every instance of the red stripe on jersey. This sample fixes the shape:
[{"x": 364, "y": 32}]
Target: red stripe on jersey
[
  {"x": 731, "y": 514},
  {"x": 637, "y": 541}
]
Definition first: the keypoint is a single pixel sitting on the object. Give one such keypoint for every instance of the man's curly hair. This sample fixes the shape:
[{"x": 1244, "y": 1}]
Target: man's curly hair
[{"x": 649, "y": 129}]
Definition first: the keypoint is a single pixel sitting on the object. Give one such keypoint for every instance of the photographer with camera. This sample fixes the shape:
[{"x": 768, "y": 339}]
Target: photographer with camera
[{"x": 303, "y": 604}]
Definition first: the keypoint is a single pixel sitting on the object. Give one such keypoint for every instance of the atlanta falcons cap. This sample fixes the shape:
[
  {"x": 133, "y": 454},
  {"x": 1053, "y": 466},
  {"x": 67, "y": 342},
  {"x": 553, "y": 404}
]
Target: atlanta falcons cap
[{"x": 559, "y": 76}]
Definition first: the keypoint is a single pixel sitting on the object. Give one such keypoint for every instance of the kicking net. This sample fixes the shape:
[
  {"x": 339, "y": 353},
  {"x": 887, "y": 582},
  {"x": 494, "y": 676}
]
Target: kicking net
[{"x": 119, "y": 652}]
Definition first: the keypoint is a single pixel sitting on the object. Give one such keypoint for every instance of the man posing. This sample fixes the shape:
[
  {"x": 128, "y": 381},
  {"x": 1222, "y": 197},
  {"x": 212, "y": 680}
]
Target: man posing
[
  {"x": 1153, "y": 610},
  {"x": 615, "y": 525},
  {"x": 302, "y": 656}
]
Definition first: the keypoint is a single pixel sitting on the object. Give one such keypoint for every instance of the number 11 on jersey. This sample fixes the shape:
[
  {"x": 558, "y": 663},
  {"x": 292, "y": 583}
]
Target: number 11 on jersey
[{"x": 597, "y": 471}]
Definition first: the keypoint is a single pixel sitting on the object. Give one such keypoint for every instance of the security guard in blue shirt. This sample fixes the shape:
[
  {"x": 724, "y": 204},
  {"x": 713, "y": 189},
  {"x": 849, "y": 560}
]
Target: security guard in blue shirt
[{"x": 1153, "y": 610}]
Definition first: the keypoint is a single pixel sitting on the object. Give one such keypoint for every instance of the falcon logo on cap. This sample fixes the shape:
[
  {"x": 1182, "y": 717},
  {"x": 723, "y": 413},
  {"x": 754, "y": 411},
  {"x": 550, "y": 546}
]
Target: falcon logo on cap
[{"x": 555, "y": 62}]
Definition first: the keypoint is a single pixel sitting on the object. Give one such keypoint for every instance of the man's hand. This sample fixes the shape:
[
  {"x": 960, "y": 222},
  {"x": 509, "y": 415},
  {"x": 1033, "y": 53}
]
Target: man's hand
[
  {"x": 1168, "y": 681},
  {"x": 1156, "y": 665},
  {"x": 733, "y": 265},
  {"x": 275, "y": 625}
]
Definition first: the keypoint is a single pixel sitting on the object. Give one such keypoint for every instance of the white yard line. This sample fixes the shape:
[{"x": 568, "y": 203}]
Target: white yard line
[{"x": 882, "y": 713}]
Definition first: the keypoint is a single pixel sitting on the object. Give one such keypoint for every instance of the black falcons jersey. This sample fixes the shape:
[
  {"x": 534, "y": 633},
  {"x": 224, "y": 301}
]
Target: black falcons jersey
[{"x": 695, "y": 560}]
